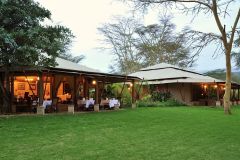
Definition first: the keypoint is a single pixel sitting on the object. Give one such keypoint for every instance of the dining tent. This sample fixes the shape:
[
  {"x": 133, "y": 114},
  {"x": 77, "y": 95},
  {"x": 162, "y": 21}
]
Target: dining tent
[
  {"x": 67, "y": 80},
  {"x": 184, "y": 85}
]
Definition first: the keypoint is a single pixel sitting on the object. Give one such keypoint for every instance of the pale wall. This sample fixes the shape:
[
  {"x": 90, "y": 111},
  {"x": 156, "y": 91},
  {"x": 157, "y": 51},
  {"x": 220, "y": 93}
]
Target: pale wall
[{"x": 179, "y": 91}]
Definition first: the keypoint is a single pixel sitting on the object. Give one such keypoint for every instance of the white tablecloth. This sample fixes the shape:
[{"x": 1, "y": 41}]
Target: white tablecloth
[
  {"x": 113, "y": 102},
  {"x": 89, "y": 102},
  {"x": 47, "y": 103}
]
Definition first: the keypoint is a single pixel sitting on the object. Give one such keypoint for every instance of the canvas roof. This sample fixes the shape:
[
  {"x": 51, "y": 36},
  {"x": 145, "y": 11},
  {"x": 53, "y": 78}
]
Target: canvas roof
[
  {"x": 68, "y": 67},
  {"x": 65, "y": 64},
  {"x": 165, "y": 73}
]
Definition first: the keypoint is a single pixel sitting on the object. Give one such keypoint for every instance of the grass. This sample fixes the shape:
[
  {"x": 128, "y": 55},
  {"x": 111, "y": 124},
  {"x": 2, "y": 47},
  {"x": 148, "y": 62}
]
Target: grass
[{"x": 176, "y": 133}]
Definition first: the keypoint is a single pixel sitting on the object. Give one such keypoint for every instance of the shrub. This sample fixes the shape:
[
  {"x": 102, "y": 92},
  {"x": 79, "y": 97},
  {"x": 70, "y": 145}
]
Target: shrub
[
  {"x": 173, "y": 102},
  {"x": 161, "y": 96},
  {"x": 147, "y": 98},
  {"x": 126, "y": 99},
  {"x": 167, "y": 103}
]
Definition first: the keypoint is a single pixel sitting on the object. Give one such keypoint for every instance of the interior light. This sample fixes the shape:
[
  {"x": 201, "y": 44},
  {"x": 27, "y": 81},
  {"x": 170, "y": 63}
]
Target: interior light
[
  {"x": 215, "y": 86},
  {"x": 94, "y": 82},
  {"x": 131, "y": 84},
  {"x": 28, "y": 79}
]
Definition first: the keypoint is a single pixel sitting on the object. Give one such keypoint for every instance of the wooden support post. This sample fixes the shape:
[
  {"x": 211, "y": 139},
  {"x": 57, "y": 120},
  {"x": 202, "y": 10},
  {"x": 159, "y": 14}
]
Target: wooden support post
[
  {"x": 207, "y": 91},
  {"x": 233, "y": 93},
  {"x": 238, "y": 96},
  {"x": 123, "y": 87},
  {"x": 40, "y": 89},
  {"x": 217, "y": 89},
  {"x": 12, "y": 109},
  {"x": 232, "y": 97},
  {"x": 218, "y": 103},
  {"x": 238, "y": 93},
  {"x": 139, "y": 89},
  {"x": 86, "y": 93},
  {"x": 75, "y": 91},
  {"x": 133, "y": 95},
  {"x": 103, "y": 87},
  {"x": 53, "y": 87},
  {"x": 97, "y": 92}
]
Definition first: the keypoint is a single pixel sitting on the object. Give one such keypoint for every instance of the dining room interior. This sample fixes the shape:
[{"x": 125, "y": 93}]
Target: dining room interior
[{"x": 82, "y": 90}]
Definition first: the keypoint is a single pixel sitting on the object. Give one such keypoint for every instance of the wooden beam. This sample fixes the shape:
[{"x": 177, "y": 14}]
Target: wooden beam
[
  {"x": 103, "y": 87},
  {"x": 53, "y": 85},
  {"x": 217, "y": 89},
  {"x": 40, "y": 88},
  {"x": 238, "y": 93},
  {"x": 97, "y": 92},
  {"x": 45, "y": 86},
  {"x": 86, "y": 92},
  {"x": 123, "y": 87},
  {"x": 75, "y": 90},
  {"x": 133, "y": 92},
  {"x": 139, "y": 89}
]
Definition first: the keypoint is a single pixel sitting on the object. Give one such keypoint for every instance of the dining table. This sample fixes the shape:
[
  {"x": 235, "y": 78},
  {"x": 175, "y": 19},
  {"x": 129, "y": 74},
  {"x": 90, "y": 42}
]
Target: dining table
[
  {"x": 113, "y": 102},
  {"x": 89, "y": 102},
  {"x": 47, "y": 103}
]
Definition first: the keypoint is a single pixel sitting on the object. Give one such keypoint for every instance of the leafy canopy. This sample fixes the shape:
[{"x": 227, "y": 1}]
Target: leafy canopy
[
  {"x": 24, "y": 39},
  {"x": 135, "y": 46}
]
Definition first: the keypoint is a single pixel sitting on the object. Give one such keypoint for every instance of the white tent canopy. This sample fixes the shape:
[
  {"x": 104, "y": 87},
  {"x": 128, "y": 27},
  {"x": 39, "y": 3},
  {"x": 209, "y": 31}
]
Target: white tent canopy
[
  {"x": 165, "y": 73},
  {"x": 65, "y": 64}
]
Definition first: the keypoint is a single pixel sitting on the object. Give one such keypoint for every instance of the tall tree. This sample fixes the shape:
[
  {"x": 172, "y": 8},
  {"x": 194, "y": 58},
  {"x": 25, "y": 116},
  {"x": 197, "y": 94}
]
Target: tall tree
[
  {"x": 160, "y": 43},
  {"x": 119, "y": 37},
  {"x": 24, "y": 40},
  {"x": 135, "y": 45},
  {"x": 219, "y": 9}
]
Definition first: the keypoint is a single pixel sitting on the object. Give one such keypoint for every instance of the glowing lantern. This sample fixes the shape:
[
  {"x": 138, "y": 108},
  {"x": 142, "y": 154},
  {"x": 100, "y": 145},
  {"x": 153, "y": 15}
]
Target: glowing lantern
[
  {"x": 131, "y": 84},
  {"x": 94, "y": 82},
  {"x": 205, "y": 86}
]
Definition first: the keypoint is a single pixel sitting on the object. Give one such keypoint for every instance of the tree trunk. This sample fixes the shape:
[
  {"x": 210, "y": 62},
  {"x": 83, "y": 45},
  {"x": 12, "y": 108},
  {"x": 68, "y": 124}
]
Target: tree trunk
[{"x": 226, "y": 98}]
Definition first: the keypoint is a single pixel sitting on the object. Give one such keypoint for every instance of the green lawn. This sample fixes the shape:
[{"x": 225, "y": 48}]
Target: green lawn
[{"x": 177, "y": 133}]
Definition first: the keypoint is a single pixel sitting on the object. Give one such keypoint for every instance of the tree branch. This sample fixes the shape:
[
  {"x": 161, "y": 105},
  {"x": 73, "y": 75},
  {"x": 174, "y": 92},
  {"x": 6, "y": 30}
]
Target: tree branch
[
  {"x": 234, "y": 27},
  {"x": 166, "y": 1},
  {"x": 219, "y": 24}
]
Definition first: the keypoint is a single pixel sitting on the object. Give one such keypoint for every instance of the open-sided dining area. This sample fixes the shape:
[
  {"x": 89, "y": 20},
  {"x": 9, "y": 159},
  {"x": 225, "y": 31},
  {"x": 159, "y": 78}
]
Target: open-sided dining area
[
  {"x": 55, "y": 92},
  {"x": 60, "y": 89}
]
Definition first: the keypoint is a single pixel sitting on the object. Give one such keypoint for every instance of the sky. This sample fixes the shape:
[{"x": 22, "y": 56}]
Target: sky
[{"x": 83, "y": 17}]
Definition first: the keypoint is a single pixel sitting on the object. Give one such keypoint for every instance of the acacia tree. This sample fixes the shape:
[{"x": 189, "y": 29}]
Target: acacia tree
[
  {"x": 25, "y": 41},
  {"x": 158, "y": 43},
  {"x": 135, "y": 45},
  {"x": 119, "y": 37},
  {"x": 219, "y": 10}
]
